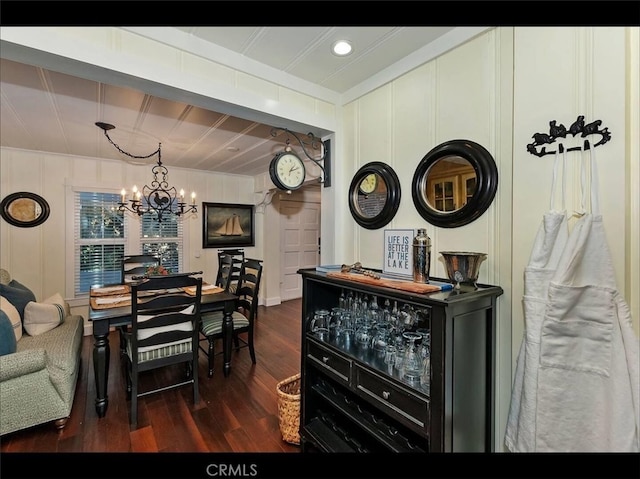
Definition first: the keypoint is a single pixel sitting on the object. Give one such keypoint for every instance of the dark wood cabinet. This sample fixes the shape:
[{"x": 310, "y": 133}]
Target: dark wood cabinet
[{"x": 352, "y": 401}]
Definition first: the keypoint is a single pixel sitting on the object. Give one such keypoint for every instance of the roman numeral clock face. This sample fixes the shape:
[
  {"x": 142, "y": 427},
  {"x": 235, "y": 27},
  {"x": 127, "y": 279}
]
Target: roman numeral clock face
[{"x": 287, "y": 171}]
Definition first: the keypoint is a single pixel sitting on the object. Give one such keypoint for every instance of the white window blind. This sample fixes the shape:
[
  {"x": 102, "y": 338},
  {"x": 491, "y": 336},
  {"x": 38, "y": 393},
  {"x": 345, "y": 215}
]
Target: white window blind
[
  {"x": 163, "y": 239},
  {"x": 102, "y": 234},
  {"x": 100, "y": 239}
]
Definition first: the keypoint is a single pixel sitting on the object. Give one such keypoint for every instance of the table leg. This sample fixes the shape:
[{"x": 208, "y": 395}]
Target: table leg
[
  {"x": 227, "y": 335},
  {"x": 101, "y": 364}
]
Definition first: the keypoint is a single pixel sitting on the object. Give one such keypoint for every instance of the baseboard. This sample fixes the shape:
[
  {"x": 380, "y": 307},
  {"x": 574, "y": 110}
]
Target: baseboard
[
  {"x": 88, "y": 328},
  {"x": 272, "y": 301}
]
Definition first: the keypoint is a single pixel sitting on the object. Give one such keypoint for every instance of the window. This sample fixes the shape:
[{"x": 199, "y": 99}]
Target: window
[
  {"x": 103, "y": 235},
  {"x": 444, "y": 194},
  {"x": 163, "y": 239},
  {"x": 99, "y": 240}
]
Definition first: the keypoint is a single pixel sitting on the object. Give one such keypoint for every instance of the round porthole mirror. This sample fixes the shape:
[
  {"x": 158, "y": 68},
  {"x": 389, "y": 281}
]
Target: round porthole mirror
[
  {"x": 24, "y": 209},
  {"x": 454, "y": 183},
  {"x": 374, "y": 195}
]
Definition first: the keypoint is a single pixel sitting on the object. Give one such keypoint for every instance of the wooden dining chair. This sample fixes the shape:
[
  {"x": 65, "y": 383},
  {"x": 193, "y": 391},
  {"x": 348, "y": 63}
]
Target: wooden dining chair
[
  {"x": 243, "y": 317},
  {"x": 130, "y": 266},
  {"x": 136, "y": 265},
  {"x": 237, "y": 256},
  {"x": 225, "y": 265},
  {"x": 165, "y": 327}
]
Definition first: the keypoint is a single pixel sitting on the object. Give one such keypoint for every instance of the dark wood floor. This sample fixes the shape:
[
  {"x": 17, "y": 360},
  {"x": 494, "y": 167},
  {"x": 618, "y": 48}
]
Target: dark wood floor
[{"x": 238, "y": 413}]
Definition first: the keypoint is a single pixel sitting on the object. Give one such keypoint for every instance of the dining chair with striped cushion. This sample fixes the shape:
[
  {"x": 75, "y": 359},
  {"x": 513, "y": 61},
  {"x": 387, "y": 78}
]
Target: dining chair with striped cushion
[
  {"x": 243, "y": 317},
  {"x": 165, "y": 325}
]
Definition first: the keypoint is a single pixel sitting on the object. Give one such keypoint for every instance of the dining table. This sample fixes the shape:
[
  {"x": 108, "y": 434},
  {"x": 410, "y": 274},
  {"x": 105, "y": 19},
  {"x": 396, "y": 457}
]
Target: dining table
[{"x": 110, "y": 306}]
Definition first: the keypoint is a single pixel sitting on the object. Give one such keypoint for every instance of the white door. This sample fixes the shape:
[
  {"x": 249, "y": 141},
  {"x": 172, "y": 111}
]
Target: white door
[{"x": 300, "y": 234}]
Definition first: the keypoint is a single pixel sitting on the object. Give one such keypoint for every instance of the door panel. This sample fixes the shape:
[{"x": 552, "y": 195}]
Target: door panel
[{"x": 300, "y": 227}]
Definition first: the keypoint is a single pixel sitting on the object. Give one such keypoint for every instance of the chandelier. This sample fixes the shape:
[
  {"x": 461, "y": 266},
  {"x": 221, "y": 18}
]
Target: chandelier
[{"x": 159, "y": 199}]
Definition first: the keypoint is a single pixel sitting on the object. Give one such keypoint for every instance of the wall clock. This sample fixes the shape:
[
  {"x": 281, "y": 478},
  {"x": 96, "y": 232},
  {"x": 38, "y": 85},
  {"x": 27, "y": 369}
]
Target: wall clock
[{"x": 287, "y": 171}]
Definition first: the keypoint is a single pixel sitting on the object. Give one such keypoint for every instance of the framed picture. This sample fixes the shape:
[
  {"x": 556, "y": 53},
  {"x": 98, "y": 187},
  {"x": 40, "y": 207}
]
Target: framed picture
[
  {"x": 227, "y": 225},
  {"x": 398, "y": 252},
  {"x": 24, "y": 209}
]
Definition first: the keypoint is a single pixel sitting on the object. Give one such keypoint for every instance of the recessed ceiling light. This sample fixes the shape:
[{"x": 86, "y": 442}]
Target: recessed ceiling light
[
  {"x": 232, "y": 148},
  {"x": 341, "y": 48}
]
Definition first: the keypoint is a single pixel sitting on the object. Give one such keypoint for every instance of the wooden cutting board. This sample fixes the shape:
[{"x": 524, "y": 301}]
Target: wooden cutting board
[{"x": 387, "y": 283}]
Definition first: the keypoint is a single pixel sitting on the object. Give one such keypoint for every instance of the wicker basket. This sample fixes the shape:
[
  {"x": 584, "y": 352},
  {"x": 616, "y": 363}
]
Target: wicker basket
[{"x": 289, "y": 409}]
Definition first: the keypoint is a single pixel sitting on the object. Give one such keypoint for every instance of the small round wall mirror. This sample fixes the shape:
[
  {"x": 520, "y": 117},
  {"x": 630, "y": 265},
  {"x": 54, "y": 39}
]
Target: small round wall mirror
[
  {"x": 454, "y": 183},
  {"x": 24, "y": 209},
  {"x": 374, "y": 195}
]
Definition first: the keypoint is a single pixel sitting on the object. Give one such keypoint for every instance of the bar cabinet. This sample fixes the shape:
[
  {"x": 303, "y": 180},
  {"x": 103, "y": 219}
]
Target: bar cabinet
[{"x": 354, "y": 401}]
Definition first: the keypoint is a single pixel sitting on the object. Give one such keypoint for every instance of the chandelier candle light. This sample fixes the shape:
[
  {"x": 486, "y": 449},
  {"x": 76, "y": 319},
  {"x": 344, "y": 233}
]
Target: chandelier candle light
[{"x": 161, "y": 199}]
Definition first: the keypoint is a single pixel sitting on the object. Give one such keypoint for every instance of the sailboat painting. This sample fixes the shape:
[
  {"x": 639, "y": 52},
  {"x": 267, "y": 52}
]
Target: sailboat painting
[
  {"x": 226, "y": 224},
  {"x": 230, "y": 227}
]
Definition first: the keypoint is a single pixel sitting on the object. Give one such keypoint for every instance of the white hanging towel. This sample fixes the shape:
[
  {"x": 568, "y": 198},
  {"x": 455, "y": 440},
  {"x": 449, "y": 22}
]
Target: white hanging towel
[
  {"x": 588, "y": 375},
  {"x": 548, "y": 246}
]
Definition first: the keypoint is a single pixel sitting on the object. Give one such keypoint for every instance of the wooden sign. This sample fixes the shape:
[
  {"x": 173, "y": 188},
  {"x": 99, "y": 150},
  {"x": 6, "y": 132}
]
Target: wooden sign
[{"x": 398, "y": 253}]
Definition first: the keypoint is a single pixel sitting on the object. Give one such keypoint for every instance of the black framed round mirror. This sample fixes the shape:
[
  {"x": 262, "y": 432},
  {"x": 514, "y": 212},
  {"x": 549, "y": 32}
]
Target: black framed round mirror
[
  {"x": 24, "y": 209},
  {"x": 374, "y": 195},
  {"x": 454, "y": 183}
]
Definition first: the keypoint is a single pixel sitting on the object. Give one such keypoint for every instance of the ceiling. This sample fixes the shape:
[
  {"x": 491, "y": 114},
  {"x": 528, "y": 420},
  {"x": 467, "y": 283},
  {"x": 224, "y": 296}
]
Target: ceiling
[{"x": 56, "y": 112}]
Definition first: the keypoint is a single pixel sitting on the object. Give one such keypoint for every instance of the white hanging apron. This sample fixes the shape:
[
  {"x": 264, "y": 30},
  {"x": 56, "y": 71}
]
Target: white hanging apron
[
  {"x": 545, "y": 255},
  {"x": 588, "y": 377}
]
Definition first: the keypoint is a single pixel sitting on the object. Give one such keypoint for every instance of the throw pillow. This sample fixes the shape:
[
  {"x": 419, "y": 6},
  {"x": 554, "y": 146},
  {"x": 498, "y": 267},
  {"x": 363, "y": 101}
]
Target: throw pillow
[
  {"x": 17, "y": 294},
  {"x": 7, "y": 338},
  {"x": 42, "y": 317},
  {"x": 5, "y": 277},
  {"x": 58, "y": 299},
  {"x": 14, "y": 317}
]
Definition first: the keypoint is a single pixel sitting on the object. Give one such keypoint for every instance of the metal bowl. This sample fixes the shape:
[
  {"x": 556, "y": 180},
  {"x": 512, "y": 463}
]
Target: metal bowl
[{"x": 463, "y": 266}]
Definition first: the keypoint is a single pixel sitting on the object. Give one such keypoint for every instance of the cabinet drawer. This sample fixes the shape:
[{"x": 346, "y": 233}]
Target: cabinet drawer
[
  {"x": 332, "y": 363},
  {"x": 400, "y": 402}
]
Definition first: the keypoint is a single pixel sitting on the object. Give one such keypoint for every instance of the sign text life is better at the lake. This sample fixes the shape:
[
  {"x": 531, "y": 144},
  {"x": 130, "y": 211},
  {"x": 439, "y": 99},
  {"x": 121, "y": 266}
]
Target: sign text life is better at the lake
[{"x": 398, "y": 253}]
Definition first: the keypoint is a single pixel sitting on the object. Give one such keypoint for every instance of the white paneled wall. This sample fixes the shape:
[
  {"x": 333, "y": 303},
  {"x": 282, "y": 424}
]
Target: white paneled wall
[
  {"x": 587, "y": 74},
  {"x": 458, "y": 95},
  {"x": 38, "y": 256},
  {"x": 498, "y": 90},
  {"x": 401, "y": 122}
]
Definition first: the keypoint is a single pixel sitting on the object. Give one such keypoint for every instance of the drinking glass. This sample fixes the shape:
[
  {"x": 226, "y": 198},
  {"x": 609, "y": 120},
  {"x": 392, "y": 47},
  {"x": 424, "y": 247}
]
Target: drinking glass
[
  {"x": 320, "y": 324},
  {"x": 381, "y": 338},
  {"x": 407, "y": 317},
  {"x": 412, "y": 358},
  {"x": 335, "y": 324},
  {"x": 425, "y": 376},
  {"x": 348, "y": 330},
  {"x": 390, "y": 355},
  {"x": 426, "y": 337},
  {"x": 400, "y": 350},
  {"x": 364, "y": 333}
]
